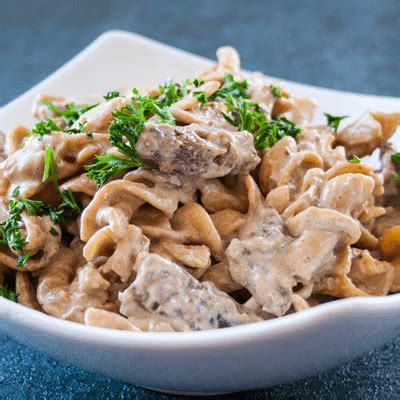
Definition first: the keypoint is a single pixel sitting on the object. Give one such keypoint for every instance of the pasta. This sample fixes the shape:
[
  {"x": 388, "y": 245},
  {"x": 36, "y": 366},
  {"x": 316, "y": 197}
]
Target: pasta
[{"x": 203, "y": 204}]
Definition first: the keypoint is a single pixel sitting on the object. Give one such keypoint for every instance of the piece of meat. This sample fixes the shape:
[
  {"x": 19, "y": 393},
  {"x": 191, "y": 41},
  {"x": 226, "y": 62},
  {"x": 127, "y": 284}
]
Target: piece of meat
[
  {"x": 201, "y": 151},
  {"x": 164, "y": 293}
]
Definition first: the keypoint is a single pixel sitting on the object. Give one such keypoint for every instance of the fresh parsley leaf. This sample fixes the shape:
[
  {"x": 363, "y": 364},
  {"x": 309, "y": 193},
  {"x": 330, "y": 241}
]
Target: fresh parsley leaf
[
  {"x": 89, "y": 135},
  {"x": 334, "y": 121},
  {"x": 72, "y": 111},
  {"x": 44, "y": 127},
  {"x": 355, "y": 159},
  {"x": 10, "y": 229},
  {"x": 108, "y": 165},
  {"x": 124, "y": 132},
  {"x": 23, "y": 259},
  {"x": 248, "y": 116},
  {"x": 53, "y": 231},
  {"x": 50, "y": 166},
  {"x": 276, "y": 91},
  {"x": 170, "y": 93},
  {"x": 396, "y": 179},
  {"x": 198, "y": 82},
  {"x": 111, "y": 95},
  {"x": 68, "y": 204},
  {"x": 232, "y": 88},
  {"x": 269, "y": 132},
  {"x": 201, "y": 97},
  {"x": 8, "y": 294},
  {"x": 15, "y": 192},
  {"x": 79, "y": 129},
  {"x": 68, "y": 208},
  {"x": 396, "y": 158}
]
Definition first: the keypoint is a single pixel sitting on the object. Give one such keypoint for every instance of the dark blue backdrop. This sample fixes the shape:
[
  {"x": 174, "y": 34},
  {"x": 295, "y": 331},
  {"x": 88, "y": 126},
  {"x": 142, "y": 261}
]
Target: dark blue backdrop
[{"x": 342, "y": 44}]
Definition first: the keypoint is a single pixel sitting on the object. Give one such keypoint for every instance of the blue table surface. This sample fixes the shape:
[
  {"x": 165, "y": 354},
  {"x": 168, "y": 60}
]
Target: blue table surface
[{"x": 344, "y": 44}]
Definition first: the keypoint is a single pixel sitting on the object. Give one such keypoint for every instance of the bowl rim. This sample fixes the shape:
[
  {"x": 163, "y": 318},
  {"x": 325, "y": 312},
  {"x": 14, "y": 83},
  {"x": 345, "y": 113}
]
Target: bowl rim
[
  {"x": 272, "y": 328},
  {"x": 216, "y": 337}
]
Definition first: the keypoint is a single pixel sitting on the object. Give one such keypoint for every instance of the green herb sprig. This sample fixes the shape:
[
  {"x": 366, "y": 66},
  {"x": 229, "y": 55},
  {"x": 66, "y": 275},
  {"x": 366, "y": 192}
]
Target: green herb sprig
[
  {"x": 334, "y": 121},
  {"x": 124, "y": 132},
  {"x": 276, "y": 91},
  {"x": 44, "y": 127},
  {"x": 232, "y": 88},
  {"x": 8, "y": 294},
  {"x": 111, "y": 95},
  {"x": 248, "y": 116},
  {"x": 72, "y": 111},
  {"x": 355, "y": 159}
]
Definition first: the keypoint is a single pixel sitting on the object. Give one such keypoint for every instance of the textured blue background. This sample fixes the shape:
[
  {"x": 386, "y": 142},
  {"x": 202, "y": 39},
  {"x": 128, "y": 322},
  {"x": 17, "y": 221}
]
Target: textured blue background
[{"x": 343, "y": 44}]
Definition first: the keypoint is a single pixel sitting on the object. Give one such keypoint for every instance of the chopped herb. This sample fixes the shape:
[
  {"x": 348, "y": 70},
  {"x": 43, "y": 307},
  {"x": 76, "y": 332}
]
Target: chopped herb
[
  {"x": 201, "y": 97},
  {"x": 50, "y": 166},
  {"x": 68, "y": 204},
  {"x": 170, "y": 93},
  {"x": 108, "y": 165},
  {"x": 89, "y": 135},
  {"x": 53, "y": 231},
  {"x": 276, "y": 91},
  {"x": 232, "y": 88},
  {"x": 198, "y": 82},
  {"x": 124, "y": 132},
  {"x": 111, "y": 95},
  {"x": 10, "y": 229},
  {"x": 396, "y": 158},
  {"x": 396, "y": 179},
  {"x": 8, "y": 294},
  {"x": 248, "y": 116},
  {"x": 79, "y": 129},
  {"x": 68, "y": 207},
  {"x": 15, "y": 192},
  {"x": 334, "y": 121},
  {"x": 44, "y": 127},
  {"x": 23, "y": 259},
  {"x": 355, "y": 159},
  {"x": 72, "y": 111}
]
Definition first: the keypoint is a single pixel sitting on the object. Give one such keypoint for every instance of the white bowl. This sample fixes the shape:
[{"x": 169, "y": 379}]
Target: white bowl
[{"x": 232, "y": 359}]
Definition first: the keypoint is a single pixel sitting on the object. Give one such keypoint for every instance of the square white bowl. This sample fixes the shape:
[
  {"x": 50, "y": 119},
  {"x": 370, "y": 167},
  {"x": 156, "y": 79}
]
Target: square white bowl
[{"x": 232, "y": 359}]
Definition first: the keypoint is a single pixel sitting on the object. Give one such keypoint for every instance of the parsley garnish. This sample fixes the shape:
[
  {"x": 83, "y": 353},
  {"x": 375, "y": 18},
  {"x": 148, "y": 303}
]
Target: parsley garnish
[
  {"x": 10, "y": 229},
  {"x": 53, "y": 231},
  {"x": 79, "y": 129},
  {"x": 355, "y": 159},
  {"x": 248, "y": 116},
  {"x": 196, "y": 82},
  {"x": 171, "y": 92},
  {"x": 124, "y": 132},
  {"x": 111, "y": 95},
  {"x": 201, "y": 97},
  {"x": 396, "y": 158},
  {"x": 334, "y": 121},
  {"x": 44, "y": 127},
  {"x": 68, "y": 208},
  {"x": 8, "y": 294},
  {"x": 89, "y": 135},
  {"x": 232, "y": 88},
  {"x": 72, "y": 111},
  {"x": 276, "y": 91}
]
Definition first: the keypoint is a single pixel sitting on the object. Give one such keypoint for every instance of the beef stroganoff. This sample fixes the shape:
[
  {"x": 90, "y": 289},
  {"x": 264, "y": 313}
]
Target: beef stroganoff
[{"x": 201, "y": 204}]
